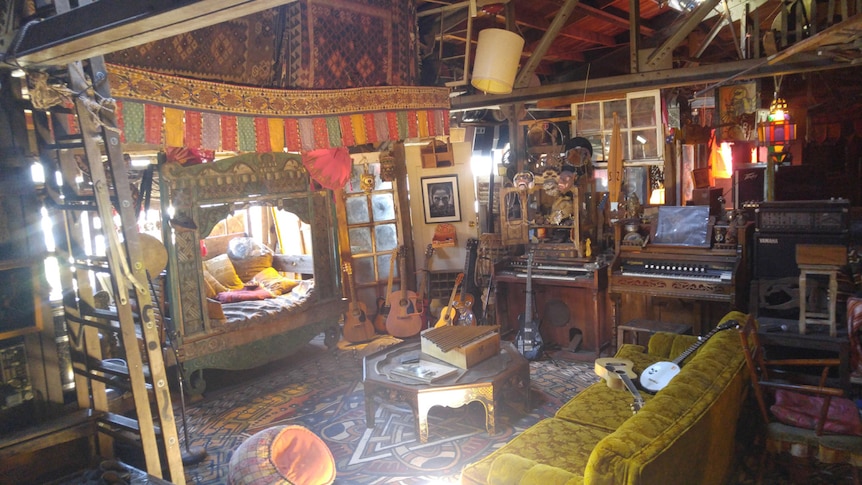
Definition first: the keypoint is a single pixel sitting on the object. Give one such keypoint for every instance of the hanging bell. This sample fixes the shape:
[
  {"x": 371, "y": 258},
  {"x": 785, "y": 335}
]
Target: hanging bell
[{"x": 387, "y": 168}]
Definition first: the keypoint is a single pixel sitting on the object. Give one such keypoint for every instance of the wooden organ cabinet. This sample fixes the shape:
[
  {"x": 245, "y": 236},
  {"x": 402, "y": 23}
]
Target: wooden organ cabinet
[
  {"x": 570, "y": 295},
  {"x": 678, "y": 283}
]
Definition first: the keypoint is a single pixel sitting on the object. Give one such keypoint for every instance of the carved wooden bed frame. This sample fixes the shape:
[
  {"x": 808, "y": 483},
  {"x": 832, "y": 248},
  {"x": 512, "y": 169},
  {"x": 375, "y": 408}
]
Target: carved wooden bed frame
[{"x": 205, "y": 194}]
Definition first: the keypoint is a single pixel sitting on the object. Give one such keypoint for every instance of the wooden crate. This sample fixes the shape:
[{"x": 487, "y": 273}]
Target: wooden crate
[{"x": 821, "y": 254}]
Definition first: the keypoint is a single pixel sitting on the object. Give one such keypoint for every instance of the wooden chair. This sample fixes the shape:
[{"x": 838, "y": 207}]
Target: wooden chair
[{"x": 825, "y": 425}]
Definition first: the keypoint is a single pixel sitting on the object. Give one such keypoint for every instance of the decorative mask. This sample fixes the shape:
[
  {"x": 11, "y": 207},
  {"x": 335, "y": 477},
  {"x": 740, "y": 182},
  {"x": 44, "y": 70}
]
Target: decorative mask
[
  {"x": 366, "y": 180},
  {"x": 387, "y": 168}
]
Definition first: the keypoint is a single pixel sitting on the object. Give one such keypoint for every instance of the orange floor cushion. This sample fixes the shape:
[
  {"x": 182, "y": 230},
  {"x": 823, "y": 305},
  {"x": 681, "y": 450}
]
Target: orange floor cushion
[{"x": 282, "y": 455}]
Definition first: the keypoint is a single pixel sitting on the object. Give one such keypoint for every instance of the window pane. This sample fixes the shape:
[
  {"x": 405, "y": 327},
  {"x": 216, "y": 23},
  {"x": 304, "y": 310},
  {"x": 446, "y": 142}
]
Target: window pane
[
  {"x": 369, "y": 297},
  {"x": 360, "y": 240},
  {"x": 588, "y": 117},
  {"x": 387, "y": 237},
  {"x": 383, "y": 207},
  {"x": 644, "y": 144},
  {"x": 363, "y": 270},
  {"x": 357, "y": 210},
  {"x": 625, "y": 136},
  {"x": 643, "y": 112},
  {"x": 383, "y": 263},
  {"x": 611, "y": 107}
]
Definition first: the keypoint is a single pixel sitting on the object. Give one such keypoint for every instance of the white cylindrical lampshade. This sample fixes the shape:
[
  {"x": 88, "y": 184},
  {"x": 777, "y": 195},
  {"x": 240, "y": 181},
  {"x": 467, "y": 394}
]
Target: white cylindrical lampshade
[{"x": 498, "y": 54}]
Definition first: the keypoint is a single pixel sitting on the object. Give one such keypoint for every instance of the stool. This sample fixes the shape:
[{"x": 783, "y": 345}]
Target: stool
[
  {"x": 824, "y": 260},
  {"x": 650, "y": 327},
  {"x": 806, "y": 315},
  {"x": 282, "y": 455}
]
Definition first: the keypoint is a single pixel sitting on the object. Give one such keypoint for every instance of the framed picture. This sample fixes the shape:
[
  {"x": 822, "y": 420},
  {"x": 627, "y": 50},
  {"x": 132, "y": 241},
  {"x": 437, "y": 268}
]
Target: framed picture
[
  {"x": 737, "y": 112},
  {"x": 441, "y": 199}
]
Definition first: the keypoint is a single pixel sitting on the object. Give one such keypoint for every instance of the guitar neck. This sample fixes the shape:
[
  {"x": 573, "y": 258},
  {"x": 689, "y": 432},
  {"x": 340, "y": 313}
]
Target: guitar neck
[{"x": 702, "y": 341}]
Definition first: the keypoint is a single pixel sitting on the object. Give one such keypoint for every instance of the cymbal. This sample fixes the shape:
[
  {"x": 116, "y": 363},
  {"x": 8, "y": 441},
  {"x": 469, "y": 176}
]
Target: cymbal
[{"x": 154, "y": 254}]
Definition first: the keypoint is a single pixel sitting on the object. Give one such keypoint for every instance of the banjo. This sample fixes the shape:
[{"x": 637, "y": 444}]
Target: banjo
[{"x": 658, "y": 375}]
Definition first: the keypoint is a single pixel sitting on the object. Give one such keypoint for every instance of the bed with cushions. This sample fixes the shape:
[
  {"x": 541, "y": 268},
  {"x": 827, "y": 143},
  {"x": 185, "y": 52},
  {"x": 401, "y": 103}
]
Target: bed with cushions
[{"x": 238, "y": 304}]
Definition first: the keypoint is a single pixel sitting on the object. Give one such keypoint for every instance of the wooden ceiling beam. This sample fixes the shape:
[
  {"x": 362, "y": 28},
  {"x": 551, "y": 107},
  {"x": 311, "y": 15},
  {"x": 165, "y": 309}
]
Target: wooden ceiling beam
[
  {"x": 614, "y": 16},
  {"x": 110, "y": 25},
  {"x": 571, "y": 31}
]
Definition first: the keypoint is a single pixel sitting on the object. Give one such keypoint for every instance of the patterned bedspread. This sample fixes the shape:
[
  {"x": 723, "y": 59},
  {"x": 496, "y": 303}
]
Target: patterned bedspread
[{"x": 262, "y": 311}]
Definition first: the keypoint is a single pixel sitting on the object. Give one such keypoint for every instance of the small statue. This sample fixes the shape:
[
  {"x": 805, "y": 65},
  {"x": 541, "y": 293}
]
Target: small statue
[{"x": 633, "y": 206}]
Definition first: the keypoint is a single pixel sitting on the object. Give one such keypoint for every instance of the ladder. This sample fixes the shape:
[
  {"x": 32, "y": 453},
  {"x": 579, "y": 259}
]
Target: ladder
[{"x": 104, "y": 210}]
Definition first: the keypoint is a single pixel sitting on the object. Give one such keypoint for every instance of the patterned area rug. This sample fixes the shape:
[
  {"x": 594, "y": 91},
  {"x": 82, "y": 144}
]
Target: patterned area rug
[{"x": 322, "y": 391}]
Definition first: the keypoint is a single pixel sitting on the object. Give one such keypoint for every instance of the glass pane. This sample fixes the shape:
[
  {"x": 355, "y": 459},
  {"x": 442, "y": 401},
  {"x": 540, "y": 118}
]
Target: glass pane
[
  {"x": 644, "y": 144},
  {"x": 588, "y": 117},
  {"x": 363, "y": 270},
  {"x": 611, "y": 107},
  {"x": 383, "y": 263},
  {"x": 368, "y": 296},
  {"x": 383, "y": 207},
  {"x": 378, "y": 184},
  {"x": 357, "y": 210},
  {"x": 387, "y": 237},
  {"x": 360, "y": 240},
  {"x": 643, "y": 112},
  {"x": 625, "y": 137},
  {"x": 352, "y": 186}
]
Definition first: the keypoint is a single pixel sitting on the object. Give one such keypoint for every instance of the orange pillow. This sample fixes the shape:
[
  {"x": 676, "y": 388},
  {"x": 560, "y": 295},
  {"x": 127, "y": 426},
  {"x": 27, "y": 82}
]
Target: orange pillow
[{"x": 301, "y": 457}]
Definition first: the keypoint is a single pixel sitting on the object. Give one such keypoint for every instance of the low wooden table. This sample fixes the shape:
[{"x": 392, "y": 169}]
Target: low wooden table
[
  {"x": 490, "y": 382},
  {"x": 650, "y": 327}
]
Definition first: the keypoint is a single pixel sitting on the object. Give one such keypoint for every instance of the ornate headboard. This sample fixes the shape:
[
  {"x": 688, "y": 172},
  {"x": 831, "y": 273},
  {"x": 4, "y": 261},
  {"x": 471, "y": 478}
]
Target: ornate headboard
[{"x": 206, "y": 193}]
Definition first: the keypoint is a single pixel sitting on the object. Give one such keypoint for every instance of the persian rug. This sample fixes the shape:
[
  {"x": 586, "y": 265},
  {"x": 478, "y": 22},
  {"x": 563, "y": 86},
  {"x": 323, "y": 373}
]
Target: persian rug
[{"x": 322, "y": 390}]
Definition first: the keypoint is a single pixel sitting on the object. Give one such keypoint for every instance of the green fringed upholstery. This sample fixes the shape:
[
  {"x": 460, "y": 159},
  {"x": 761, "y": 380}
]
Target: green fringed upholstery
[{"x": 595, "y": 439}]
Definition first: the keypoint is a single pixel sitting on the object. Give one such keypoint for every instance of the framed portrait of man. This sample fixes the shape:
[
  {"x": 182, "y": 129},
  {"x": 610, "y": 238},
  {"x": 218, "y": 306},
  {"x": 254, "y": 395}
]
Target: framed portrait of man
[{"x": 441, "y": 199}]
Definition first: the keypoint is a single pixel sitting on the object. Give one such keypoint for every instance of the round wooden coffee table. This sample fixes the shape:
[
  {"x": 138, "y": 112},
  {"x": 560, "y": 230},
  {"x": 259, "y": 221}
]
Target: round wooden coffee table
[{"x": 503, "y": 377}]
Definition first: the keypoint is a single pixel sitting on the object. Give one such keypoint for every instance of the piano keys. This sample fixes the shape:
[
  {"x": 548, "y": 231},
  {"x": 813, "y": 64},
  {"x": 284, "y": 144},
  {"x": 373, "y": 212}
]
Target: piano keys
[{"x": 570, "y": 300}]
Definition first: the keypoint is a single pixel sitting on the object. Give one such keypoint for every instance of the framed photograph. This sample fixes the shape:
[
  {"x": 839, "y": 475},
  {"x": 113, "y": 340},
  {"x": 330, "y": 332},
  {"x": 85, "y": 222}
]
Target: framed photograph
[{"x": 441, "y": 199}]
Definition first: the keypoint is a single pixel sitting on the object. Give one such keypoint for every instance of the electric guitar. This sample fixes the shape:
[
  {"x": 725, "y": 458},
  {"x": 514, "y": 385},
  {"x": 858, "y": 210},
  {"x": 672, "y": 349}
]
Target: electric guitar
[
  {"x": 529, "y": 339},
  {"x": 403, "y": 319},
  {"x": 423, "y": 300},
  {"x": 447, "y": 315},
  {"x": 384, "y": 305},
  {"x": 624, "y": 377},
  {"x": 658, "y": 375},
  {"x": 357, "y": 326}
]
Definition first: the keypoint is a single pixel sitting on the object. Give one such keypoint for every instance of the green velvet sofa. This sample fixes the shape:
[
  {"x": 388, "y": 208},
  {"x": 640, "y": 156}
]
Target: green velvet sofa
[{"x": 684, "y": 434}]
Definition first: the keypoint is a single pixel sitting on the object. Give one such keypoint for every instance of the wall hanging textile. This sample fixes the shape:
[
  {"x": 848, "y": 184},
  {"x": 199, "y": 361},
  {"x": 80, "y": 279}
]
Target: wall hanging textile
[
  {"x": 180, "y": 112},
  {"x": 306, "y": 44}
]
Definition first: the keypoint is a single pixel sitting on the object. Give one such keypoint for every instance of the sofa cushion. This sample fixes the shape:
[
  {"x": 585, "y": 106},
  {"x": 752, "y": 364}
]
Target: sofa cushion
[
  {"x": 510, "y": 469},
  {"x": 600, "y": 406},
  {"x": 542, "y": 443}
]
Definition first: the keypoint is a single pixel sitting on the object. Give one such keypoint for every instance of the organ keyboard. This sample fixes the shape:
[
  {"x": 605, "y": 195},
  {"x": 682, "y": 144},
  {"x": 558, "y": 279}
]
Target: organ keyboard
[{"x": 708, "y": 275}]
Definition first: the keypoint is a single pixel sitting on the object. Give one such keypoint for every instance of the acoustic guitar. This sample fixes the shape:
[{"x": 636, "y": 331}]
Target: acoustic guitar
[
  {"x": 658, "y": 375},
  {"x": 614, "y": 379},
  {"x": 404, "y": 320},
  {"x": 619, "y": 370},
  {"x": 448, "y": 314},
  {"x": 464, "y": 303},
  {"x": 357, "y": 325},
  {"x": 384, "y": 304},
  {"x": 424, "y": 301}
]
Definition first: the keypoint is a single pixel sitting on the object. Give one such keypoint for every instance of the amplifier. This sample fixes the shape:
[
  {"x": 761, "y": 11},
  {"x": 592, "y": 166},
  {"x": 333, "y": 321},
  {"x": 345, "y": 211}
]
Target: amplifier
[
  {"x": 804, "y": 216},
  {"x": 775, "y": 253}
]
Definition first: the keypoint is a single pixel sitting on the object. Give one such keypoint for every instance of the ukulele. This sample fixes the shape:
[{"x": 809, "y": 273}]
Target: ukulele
[
  {"x": 385, "y": 304},
  {"x": 447, "y": 316},
  {"x": 403, "y": 319},
  {"x": 423, "y": 300},
  {"x": 357, "y": 326},
  {"x": 529, "y": 339},
  {"x": 658, "y": 375}
]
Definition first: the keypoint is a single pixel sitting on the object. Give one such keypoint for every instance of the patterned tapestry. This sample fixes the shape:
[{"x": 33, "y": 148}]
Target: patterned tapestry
[
  {"x": 173, "y": 111},
  {"x": 320, "y": 44}
]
